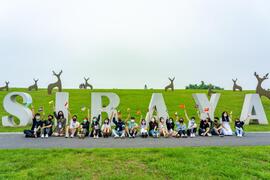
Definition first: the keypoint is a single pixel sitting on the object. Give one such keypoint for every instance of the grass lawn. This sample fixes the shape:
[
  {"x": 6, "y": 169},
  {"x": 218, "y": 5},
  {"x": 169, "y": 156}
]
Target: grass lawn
[
  {"x": 140, "y": 99},
  {"x": 176, "y": 163}
]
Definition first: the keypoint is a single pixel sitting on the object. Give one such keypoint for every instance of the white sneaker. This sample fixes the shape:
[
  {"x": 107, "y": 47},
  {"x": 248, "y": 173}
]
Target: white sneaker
[
  {"x": 47, "y": 136},
  {"x": 123, "y": 136},
  {"x": 67, "y": 136},
  {"x": 42, "y": 135},
  {"x": 116, "y": 136},
  {"x": 72, "y": 136}
]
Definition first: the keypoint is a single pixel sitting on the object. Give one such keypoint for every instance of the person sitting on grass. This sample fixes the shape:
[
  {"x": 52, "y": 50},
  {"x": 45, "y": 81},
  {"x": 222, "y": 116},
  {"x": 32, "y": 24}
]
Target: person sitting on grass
[
  {"x": 120, "y": 126},
  {"x": 162, "y": 128},
  {"x": 170, "y": 127},
  {"x": 225, "y": 122},
  {"x": 153, "y": 128},
  {"x": 85, "y": 128},
  {"x": 181, "y": 128},
  {"x": 132, "y": 128},
  {"x": 192, "y": 126},
  {"x": 47, "y": 128},
  {"x": 106, "y": 128},
  {"x": 239, "y": 128},
  {"x": 73, "y": 128},
  {"x": 60, "y": 124}
]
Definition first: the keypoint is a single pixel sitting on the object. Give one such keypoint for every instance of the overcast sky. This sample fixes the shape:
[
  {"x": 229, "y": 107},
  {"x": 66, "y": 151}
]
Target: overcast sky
[{"x": 129, "y": 43}]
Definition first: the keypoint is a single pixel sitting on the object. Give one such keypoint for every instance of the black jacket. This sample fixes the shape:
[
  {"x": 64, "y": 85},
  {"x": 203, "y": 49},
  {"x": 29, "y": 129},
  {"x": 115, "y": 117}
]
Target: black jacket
[{"x": 119, "y": 125}]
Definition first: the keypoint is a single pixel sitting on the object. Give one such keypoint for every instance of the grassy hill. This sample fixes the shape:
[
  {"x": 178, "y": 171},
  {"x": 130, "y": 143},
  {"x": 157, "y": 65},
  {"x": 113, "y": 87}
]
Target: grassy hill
[{"x": 139, "y": 100}]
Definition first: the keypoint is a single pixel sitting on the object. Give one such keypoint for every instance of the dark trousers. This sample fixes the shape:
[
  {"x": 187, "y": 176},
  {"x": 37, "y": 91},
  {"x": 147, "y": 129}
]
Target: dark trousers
[
  {"x": 182, "y": 132},
  {"x": 189, "y": 131}
]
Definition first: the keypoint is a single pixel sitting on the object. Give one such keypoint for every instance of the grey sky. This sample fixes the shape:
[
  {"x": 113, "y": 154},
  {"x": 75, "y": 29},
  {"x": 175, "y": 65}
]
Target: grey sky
[{"x": 125, "y": 44}]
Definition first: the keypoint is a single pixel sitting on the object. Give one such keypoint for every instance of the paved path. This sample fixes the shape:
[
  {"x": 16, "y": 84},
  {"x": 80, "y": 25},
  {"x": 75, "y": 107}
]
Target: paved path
[{"x": 17, "y": 140}]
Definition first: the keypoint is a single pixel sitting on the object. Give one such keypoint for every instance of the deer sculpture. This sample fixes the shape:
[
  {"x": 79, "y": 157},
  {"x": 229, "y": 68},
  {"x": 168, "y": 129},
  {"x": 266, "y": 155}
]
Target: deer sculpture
[
  {"x": 57, "y": 84},
  {"x": 236, "y": 86},
  {"x": 5, "y": 87},
  {"x": 34, "y": 86},
  {"x": 259, "y": 90},
  {"x": 85, "y": 85},
  {"x": 210, "y": 91},
  {"x": 171, "y": 85}
]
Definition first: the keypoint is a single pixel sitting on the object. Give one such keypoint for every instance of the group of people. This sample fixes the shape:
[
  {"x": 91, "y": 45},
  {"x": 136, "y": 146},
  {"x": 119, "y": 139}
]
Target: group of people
[{"x": 56, "y": 125}]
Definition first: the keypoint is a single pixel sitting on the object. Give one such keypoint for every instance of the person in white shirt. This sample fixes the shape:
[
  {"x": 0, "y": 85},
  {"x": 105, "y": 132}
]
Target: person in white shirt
[
  {"x": 192, "y": 126},
  {"x": 73, "y": 127}
]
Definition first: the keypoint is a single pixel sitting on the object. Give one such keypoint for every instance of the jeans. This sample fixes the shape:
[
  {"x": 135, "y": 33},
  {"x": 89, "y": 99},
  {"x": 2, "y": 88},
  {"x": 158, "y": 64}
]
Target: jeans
[
  {"x": 118, "y": 133},
  {"x": 46, "y": 131},
  {"x": 153, "y": 133},
  {"x": 239, "y": 131}
]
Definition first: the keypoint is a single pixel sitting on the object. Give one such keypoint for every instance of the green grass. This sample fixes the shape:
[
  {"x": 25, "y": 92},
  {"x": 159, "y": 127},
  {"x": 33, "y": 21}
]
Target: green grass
[
  {"x": 177, "y": 163},
  {"x": 139, "y": 100}
]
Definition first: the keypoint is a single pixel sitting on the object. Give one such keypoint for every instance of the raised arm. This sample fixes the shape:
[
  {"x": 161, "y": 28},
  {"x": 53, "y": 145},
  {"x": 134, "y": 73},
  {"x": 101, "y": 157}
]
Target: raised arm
[
  {"x": 186, "y": 114},
  {"x": 128, "y": 116},
  {"x": 33, "y": 111}
]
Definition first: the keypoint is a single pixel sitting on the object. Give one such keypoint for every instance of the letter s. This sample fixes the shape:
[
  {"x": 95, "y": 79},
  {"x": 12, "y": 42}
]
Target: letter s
[{"x": 16, "y": 109}]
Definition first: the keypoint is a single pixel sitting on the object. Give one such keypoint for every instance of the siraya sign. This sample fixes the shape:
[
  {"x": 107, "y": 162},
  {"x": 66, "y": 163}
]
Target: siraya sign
[{"x": 252, "y": 107}]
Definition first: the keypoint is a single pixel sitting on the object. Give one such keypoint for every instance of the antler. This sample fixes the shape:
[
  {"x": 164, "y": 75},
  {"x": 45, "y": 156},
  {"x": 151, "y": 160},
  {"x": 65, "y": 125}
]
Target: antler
[
  {"x": 257, "y": 76},
  {"x": 172, "y": 79},
  {"x": 58, "y": 73}
]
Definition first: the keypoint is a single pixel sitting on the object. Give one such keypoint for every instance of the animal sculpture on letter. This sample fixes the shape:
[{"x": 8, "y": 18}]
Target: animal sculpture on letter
[
  {"x": 259, "y": 90},
  {"x": 236, "y": 86},
  {"x": 171, "y": 85},
  {"x": 57, "y": 84},
  {"x": 34, "y": 86},
  {"x": 5, "y": 87},
  {"x": 210, "y": 90},
  {"x": 86, "y": 84}
]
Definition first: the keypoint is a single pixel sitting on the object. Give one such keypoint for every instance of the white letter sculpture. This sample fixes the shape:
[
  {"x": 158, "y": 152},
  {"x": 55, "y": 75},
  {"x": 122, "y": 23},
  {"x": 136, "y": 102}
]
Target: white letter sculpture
[
  {"x": 96, "y": 104},
  {"x": 253, "y": 107},
  {"x": 20, "y": 111},
  {"x": 203, "y": 103},
  {"x": 157, "y": 103},
  {"x": 62, "y": 103}
]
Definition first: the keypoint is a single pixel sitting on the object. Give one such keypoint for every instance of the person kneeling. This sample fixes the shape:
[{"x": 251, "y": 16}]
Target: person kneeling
[{"x": 73, "y": 128}]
